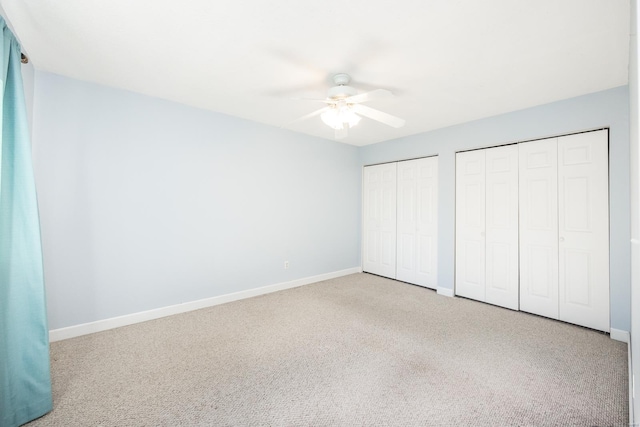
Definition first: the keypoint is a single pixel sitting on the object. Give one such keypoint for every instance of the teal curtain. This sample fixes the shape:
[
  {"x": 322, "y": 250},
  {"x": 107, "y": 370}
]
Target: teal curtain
[{"x": 25, "y": 381}]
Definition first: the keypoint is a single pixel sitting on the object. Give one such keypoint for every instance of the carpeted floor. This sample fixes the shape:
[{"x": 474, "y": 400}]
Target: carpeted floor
[{"x": 355, "y": 351}]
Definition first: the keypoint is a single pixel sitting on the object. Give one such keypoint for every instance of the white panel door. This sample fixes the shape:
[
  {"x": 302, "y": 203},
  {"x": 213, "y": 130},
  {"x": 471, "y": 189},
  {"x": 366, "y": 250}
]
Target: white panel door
[
  {"x": 379, "y": 234},
  {"x": 501, "y": 244},
  {"x": 407, "y": 219},
  {"x": 539, "y": 227},
  {"x": 583, "y": 204},
  {"x": 470, "y": 225},
  {"x": 427, "y": 245},
  {"x": 417, "y": 221}
]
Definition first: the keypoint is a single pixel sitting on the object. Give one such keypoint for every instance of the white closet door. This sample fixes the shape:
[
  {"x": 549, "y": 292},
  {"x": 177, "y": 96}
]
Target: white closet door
[
  {"x": 379, "y": 234},
  {"x": 427, "y": 249},
  {"x": 407, "y": 221},
  {"x": 417, "y": 221},
  {"x": 502, "y": 226},
  {"x": 539, "y": 227},
  {"x": 470, "y": 224},
  {"x": 583, "y": 202}
]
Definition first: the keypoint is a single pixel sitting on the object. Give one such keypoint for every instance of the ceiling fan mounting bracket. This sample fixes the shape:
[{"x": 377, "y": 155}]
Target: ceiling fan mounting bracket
[{"x": 341, "y": 79}]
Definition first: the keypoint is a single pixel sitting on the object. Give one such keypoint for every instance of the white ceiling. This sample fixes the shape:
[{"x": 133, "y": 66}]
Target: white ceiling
[{"x": 447, "y": 61}]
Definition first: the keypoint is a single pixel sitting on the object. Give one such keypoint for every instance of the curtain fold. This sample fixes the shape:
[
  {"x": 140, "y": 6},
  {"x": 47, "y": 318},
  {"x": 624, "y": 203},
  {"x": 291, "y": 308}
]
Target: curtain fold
[{"x": 25, "y": 382}]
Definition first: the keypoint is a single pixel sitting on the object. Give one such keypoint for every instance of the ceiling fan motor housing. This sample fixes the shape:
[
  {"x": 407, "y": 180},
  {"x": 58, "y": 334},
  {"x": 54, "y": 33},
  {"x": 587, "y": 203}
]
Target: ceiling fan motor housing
[{"x": 342, "y": 91}]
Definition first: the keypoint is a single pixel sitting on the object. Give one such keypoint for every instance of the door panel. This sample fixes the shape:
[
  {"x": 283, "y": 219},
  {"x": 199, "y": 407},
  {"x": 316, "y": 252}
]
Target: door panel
[
  {"x": 498, "y": 268},
  {"x": 583, "y": 201},
  {"x": 427, "y": 266},
  {"x": 379, "y": 232},
  {"x": 470, "y": 225},
  {"x": 417, "y": 221},
  {"x": 472, "y": 253},
  {"x": 576, "y": 283},
  {"x": 538, "y": 271},
  {"x": 502, "y": 226},
  {"x": 538, "y": 184},
  {"x": 406, "y": 227},
  {"x": 427, "y": 222},
  {"x": 406, "y": 253},
  {"x": 371, "y": 247}
]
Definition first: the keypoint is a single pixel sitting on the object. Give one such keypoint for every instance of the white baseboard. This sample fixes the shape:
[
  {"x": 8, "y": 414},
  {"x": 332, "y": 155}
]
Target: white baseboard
[
  {"x": 619, "y": 335},
  {"x": 445, "y": 292},
  {"x": 143, "y": 316}
]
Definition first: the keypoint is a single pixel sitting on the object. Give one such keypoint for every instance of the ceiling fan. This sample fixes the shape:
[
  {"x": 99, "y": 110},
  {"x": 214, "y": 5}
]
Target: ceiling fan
[{"x": 344, "y": 107}]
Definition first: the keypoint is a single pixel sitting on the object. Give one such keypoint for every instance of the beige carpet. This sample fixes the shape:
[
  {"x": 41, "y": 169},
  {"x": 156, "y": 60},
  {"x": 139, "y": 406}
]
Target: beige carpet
[{"x": 354, "y": 351}]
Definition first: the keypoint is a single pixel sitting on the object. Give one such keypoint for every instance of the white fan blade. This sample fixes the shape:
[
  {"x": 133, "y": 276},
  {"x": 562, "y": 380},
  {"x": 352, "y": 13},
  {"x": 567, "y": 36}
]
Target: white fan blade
[
  {"x": 368, "y": 96},
  {"x": 342, "y": 133},
  {"x": 312, "y": 114},
  {"x": 378, "y": 115}
]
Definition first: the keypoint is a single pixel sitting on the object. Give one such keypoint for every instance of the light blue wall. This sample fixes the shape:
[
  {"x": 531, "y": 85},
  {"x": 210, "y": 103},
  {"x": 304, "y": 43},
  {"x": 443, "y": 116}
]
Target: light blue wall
[
  {"x": 603, "y": 109},
  {"x": 147, "y": 203}
]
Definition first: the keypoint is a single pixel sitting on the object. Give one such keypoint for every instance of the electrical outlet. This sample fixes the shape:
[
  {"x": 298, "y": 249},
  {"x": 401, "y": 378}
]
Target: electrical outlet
[{"x": 286, "y": 265}]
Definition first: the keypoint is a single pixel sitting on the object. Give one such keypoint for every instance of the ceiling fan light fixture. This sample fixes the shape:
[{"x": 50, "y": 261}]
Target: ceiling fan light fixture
[
  {"x": 336, "y": 118},
  {"x": 344, "y": 107}
]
